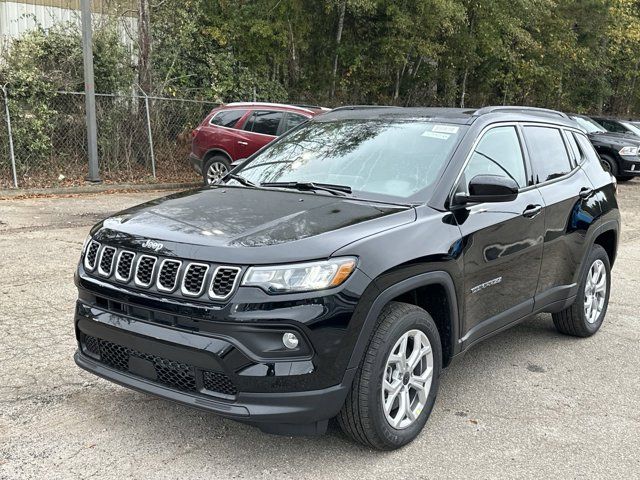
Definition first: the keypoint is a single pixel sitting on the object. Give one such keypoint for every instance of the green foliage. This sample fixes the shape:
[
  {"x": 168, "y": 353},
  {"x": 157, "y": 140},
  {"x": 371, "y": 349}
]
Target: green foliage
[
  {"x": 39, "y": 64},
  {"x": 579, "y": 55},
  {"x": 572, "y": 54}
]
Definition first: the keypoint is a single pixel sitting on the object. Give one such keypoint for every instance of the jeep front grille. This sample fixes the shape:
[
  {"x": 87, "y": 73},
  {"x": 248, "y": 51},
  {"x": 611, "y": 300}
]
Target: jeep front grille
[
  {"x": 106, "y": 261},
  {"x": 144, "y": 270},
  {"x": 91, "y": 256},
  {"x": 165, "y": 275},
  {"x": 172, "y": 373},
  {"x": 224, "y": 282},
  {"x": 193, "y": 281},
  {"x": 168, "y": 276},
  {"x": 124, "y": 266}
]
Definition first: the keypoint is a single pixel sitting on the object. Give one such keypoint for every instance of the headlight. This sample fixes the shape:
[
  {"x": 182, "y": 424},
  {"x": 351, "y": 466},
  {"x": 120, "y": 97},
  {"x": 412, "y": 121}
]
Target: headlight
[
  {"x": 628, "y": 151},
  {"x": 301, "y": 277}
]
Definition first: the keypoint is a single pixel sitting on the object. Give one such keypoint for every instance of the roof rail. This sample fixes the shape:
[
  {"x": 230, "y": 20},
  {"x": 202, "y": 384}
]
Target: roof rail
[
  {"x": 515, "y": 108},
  {"x": 361, "y": 107},
  {"x": 268, "y": 104},
  {"x": 303, "y": 105}
]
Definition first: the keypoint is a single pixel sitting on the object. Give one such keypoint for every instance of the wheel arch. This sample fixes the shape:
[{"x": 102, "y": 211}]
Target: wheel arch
[
  {"x": 435, "y": 292},
  {"x": 215, "y": 151},
  {"x": 607, "y": 238}
]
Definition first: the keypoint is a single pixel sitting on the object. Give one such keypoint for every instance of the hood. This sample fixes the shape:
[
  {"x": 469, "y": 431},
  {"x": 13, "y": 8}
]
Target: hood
[
  {"x": 614, "y": 139},
  {"x": 246, "y": 225}
]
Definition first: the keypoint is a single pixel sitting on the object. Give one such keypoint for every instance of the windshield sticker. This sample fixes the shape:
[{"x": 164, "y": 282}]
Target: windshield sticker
[
  {"x": 445, "y": 128},
  {"x": 440, "y": 136}
]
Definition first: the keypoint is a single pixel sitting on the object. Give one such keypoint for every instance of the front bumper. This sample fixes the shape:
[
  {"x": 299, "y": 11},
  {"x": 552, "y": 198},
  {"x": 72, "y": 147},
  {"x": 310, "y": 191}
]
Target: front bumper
[
  {"x": 172, "y": 351},
  {"x": 630, "y": 165},
  {"x": 302, "y": 413}
]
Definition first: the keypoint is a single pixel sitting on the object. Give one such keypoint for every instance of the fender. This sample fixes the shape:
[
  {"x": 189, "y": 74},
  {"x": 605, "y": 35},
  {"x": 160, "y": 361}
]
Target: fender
[
  {"x": 438, "y": 277},
  {"x": 606, "y": 226}
]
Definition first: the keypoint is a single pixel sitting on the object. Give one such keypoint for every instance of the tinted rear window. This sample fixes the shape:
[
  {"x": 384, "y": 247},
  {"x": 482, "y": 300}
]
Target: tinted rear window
[
  {"x": 227, "y": 118},
  {"x": 548, "y": 152}
]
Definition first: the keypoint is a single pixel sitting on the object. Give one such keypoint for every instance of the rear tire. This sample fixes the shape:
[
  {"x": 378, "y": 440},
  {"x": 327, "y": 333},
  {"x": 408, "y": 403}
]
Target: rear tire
[
  {"x": 580, "y": 319},
  {"x": 408, "y": 391},
  {"x": 624, "y": 178},
  {"x": 215, "y": 167}
]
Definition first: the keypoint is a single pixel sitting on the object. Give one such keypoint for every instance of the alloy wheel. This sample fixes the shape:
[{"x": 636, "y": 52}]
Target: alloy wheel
[
  {"x": 595, "y": 291},
  {"x": 407, "y": 379},
  {"x": 215, "y": 172}
]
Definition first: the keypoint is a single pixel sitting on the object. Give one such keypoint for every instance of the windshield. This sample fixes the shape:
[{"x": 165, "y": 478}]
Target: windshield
[
  {"x": 588, "y": 125},
  {"x": 634, "y": 129},
  {"x": 385, "y": 158}
]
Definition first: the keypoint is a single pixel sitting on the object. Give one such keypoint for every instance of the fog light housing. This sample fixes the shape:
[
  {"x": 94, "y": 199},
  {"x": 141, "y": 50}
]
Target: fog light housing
[{"x": 290, "y": 340}]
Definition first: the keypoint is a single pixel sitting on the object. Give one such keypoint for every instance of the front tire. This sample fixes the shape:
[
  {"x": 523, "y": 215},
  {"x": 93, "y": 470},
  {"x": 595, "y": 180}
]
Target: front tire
[
  {"x": 585, "y": 316},
  {"x": 396, "y": 384},
  {"x": 215, "y": 168}
]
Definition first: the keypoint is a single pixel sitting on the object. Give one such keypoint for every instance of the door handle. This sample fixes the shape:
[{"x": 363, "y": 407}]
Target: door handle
[
  {"x": 243, "y": 143},
  {"x": 586, "y": 192},
  {"x": 531, "y": 211}
]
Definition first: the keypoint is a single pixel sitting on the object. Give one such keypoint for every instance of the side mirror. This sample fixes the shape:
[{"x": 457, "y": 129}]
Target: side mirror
[{"x": 489, "y": 188}]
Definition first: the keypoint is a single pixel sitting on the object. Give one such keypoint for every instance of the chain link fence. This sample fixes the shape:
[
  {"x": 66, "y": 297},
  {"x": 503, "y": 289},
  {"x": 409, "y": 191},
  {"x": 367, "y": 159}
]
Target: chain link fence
[{"x": 140, "y": 139}]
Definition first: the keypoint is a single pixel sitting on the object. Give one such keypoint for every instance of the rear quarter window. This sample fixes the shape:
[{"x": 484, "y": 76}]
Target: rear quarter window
[
  {"x": 587, "y": 151},
  {"x": 227, "y": 118}
]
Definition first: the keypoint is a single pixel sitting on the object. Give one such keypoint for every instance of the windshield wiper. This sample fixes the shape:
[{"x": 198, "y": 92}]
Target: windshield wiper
[
  {"x": 241, "y": 179},
  {"x": 311, "y": 186}
]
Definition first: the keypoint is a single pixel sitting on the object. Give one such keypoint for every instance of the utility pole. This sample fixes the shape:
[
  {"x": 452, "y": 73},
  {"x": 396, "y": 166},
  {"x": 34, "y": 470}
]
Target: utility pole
[{"x": 89, "y": 92}]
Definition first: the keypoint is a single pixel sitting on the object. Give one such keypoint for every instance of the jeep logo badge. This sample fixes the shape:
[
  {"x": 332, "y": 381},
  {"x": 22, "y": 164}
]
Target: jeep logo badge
[{"x": 153, "y": 245}]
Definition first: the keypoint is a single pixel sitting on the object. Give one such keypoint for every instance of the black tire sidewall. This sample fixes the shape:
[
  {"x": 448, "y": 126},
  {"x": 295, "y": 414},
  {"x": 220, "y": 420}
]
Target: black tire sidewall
[
  {"x": 596, "y": 253},
  {"x": 420, "y": 320},
  {"x": 212, "y": 160}
]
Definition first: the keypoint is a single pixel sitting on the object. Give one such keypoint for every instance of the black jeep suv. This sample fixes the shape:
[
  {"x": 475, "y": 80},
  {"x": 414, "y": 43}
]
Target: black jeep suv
[
  {"x": 619, "y": 152},
  {"x": 338, "y": 270}
]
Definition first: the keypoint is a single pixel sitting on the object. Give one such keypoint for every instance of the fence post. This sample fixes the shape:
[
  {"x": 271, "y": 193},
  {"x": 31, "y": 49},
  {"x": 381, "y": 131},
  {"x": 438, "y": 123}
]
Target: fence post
[
  {"x": 89, "y": 92},
  {"x": 11, "y": 153},
  {"x": 153, "y": 157}
]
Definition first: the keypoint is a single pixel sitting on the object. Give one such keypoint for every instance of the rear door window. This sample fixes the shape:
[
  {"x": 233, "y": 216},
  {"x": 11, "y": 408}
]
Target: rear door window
[
  {"x": 227, "y": 118},
  {"x": 265, "y": 122},
  {"x": 548, "y": 152}
]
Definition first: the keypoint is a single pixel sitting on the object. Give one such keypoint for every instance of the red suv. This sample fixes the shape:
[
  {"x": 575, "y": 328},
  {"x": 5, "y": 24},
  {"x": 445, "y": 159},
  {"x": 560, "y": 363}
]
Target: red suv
[{"x": 237, "y": 130}]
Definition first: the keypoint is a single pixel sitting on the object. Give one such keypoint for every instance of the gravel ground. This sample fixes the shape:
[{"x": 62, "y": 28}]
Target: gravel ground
[{"x": 529, "y": 403}]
